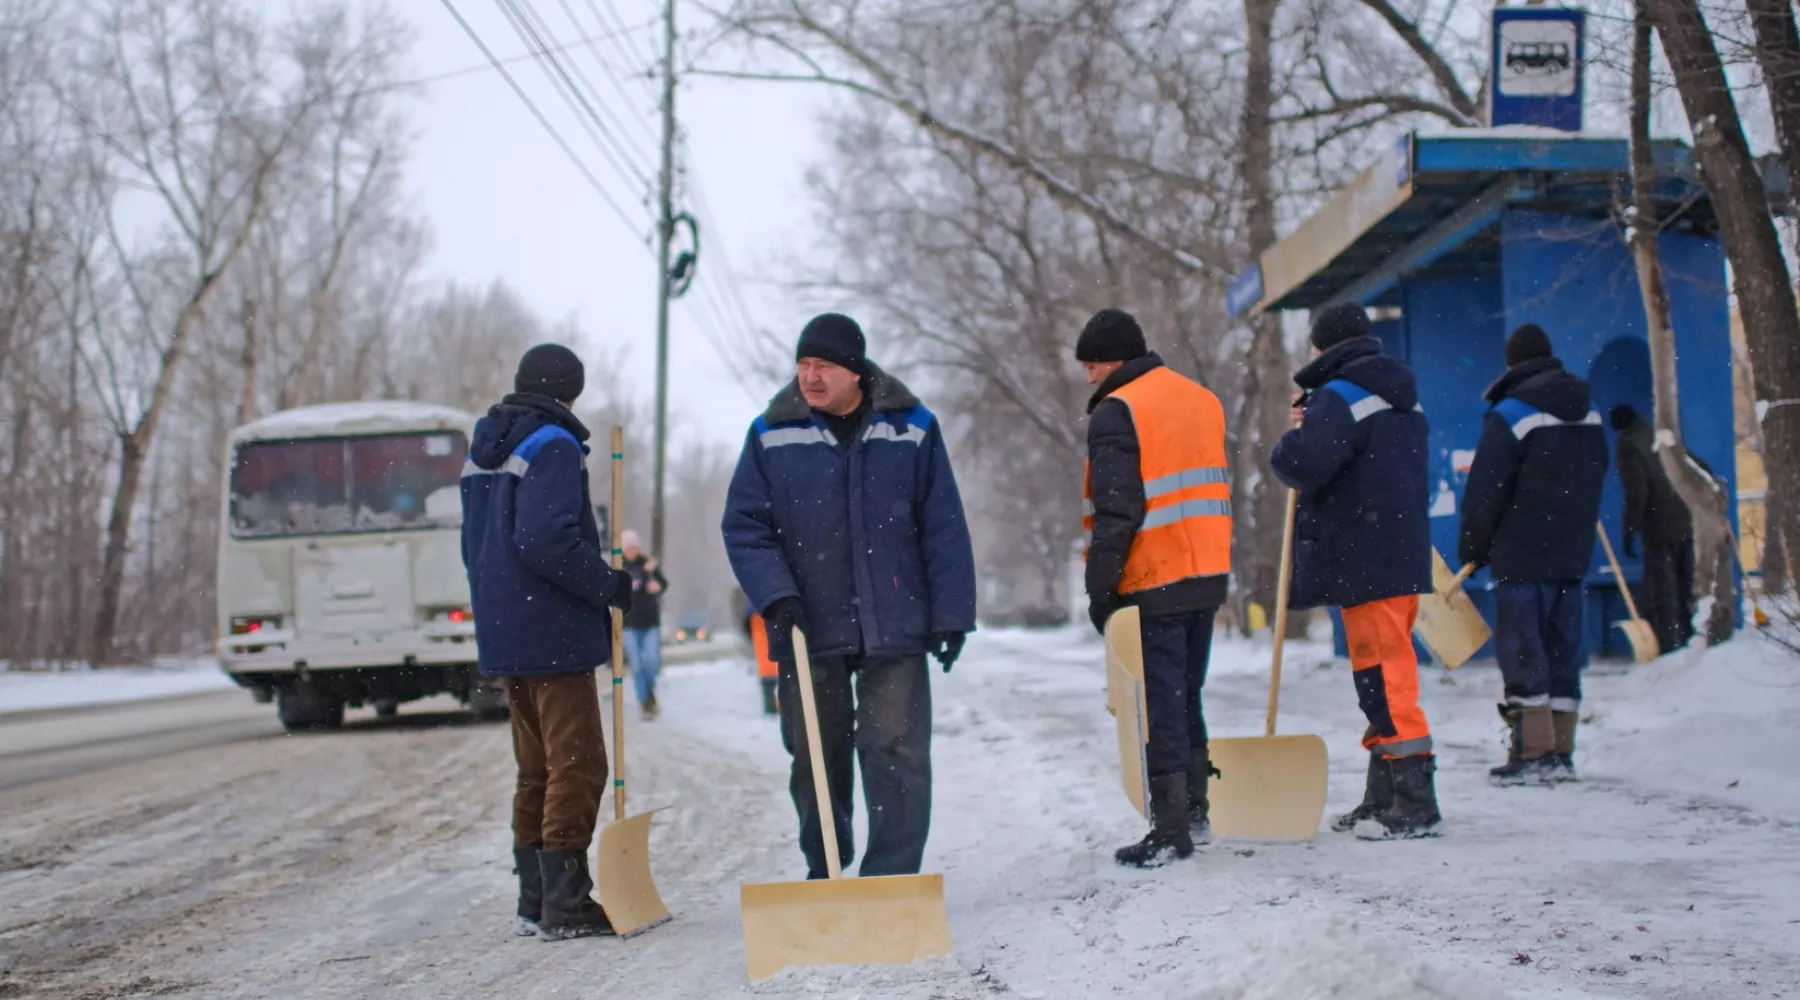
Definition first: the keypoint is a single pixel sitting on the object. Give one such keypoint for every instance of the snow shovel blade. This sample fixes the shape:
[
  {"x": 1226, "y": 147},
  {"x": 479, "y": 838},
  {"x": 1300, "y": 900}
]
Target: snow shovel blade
[
  {"x": 1268, "y": 788},
  {"x": 1125, "y": 700},
  {"x": 1642, "y": 637},
  {"x": 879, "y": 920},
  {"x": 1448, "y": 621},
  {"x": 622, "y": 871}
]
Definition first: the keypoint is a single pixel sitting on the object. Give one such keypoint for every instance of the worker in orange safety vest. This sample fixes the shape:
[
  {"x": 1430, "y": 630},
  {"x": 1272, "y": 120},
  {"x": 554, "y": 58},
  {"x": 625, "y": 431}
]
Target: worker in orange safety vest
[{"x": 1158, "y": 517}]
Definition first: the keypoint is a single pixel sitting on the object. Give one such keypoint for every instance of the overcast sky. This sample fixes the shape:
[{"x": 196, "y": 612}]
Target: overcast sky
[{"x": 504, "y": 201}]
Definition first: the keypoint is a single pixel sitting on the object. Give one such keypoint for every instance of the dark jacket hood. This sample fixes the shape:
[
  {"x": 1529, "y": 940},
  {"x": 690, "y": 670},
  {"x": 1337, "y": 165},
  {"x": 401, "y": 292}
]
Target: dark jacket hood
[
  {"x": 885, "y": 394},
  {"x": 1360, "y": 361},
  {"x": 1543, "y": 383},
  {"x": 512, "y": 420},
  {"x": 1127, "y": 373}
]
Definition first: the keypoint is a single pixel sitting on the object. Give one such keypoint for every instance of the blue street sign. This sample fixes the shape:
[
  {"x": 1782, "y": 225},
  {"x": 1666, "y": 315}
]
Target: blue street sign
[{"x": 1537, "y": 59}]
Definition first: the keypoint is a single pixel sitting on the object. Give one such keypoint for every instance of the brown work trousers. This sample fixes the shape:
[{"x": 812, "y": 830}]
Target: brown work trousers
[{"x": 562, "y": 760}]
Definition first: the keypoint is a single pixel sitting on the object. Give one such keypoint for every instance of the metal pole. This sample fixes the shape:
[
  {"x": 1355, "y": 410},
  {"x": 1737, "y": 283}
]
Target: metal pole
[{"x": 665, "y": 229}]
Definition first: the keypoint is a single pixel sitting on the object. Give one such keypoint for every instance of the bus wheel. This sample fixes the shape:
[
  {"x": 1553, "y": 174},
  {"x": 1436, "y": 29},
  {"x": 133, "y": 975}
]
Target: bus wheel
[
  {"x": 488, "y": 703},
  {"x": 302, "y": 707},
  {"x": 386, "y": 708}
]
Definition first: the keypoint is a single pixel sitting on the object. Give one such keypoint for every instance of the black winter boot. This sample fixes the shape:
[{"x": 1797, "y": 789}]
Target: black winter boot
[
  {"x": 1378, "y": 794},
  {"x": 1168, "y": 839},
  {"x": 531, "y": 891},
  {"x": 1529, "y": 758},
  {"x": 569, "y": 907},
  {"x": 1414, "y": 812},
  {"x": 1200, "y": 771}
]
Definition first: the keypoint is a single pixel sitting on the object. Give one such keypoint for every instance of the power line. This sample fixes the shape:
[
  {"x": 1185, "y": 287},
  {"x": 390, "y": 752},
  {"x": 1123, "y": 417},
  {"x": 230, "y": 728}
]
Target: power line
[
  {"x": 637, "y": 113},
  {"x": 617, "y": 153},
  {"x": 426, "y": 81},
  {"x": 642, "y": 62},
  {"x": 561, "y": 143}
]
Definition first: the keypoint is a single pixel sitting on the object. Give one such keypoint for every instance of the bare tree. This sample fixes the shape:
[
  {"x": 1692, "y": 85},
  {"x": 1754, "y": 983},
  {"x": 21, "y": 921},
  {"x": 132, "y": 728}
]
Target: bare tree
[
  {"x": 1759, "y": 271},
  {"x": 1704, "y": 496}
]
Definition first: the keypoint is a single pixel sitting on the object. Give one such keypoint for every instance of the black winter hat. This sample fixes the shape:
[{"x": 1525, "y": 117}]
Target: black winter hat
[
  {"x": 1342, "y": 322},
  {"x": 551, "y": 370},
  {"x": 1111, "y": 335},
  {"x": 1527, "y": 343},
  {"x": 835, "y": 338},
  {"x": 1622, "y": 416}
]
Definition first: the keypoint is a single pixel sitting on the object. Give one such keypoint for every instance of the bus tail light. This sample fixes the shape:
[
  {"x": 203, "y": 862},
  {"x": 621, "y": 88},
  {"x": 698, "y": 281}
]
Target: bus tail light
[{"x": 251, "y": 624}]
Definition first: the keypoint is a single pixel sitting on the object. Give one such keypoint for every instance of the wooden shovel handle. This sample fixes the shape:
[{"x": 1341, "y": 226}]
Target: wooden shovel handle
[
  {"x": 1618, "y": 574},
  {"x": 1281, "y": 607},
  {"x": 614, "y": 519},
  {"x": 816, "y": 753},
  {"x": 1462, "y": 577}
]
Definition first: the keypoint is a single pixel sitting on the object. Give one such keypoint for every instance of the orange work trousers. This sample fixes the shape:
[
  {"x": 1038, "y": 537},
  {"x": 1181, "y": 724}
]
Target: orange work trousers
[{"x": 1386, "y": 670}]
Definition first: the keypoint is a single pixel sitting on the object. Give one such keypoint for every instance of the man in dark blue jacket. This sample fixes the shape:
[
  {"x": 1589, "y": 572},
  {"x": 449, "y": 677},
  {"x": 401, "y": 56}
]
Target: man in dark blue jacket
[
  {"x": 1528, "y": 514},
  {"x": 843, "y": 521},
  {"x": 1363, "y": 544},
  {"x": 542, "y": 593}
]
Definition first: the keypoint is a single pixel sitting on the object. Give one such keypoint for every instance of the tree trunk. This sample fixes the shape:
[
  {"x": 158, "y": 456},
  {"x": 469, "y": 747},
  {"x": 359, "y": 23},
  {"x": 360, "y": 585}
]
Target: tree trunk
[
  {"x": 1705, "y": 499},
  {"x": 1759, "y": 272},
  {"x": 1774, "y": 548},
  {"x": 1262, "y": 417},
  {"x": 1778, "y": 53}
]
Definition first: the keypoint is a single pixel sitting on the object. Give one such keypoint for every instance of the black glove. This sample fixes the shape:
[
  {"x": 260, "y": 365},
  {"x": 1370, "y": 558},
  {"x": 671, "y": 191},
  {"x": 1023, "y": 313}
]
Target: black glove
[
  {"x": 1099, "y": 609},
  {"x": 947, "y": 646},
  {"x": 621, "y": 595},
  {"x": 786, "y": 615},
  {"x": 1630, "y": 548}
]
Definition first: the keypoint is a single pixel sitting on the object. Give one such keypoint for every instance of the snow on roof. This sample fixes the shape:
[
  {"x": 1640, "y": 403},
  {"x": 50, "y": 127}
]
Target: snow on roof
[
  {"x": 378, "y": 416},
  {"x": 1516, "y": 132}
]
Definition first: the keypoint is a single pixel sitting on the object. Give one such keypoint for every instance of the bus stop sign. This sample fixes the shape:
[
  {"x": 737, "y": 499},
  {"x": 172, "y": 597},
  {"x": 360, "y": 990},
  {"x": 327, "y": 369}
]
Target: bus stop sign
[{"x": 1537, "y": 59}]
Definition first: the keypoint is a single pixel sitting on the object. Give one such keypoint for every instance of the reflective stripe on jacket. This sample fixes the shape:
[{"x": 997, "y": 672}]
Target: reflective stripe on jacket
[{"x": 1185, "y": 532}]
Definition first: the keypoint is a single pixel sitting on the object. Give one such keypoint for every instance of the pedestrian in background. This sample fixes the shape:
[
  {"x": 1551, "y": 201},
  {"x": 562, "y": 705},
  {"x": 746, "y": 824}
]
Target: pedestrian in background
[
  {"x": 843, "y": 521},
  {"x": 643, "y": 623},
  {"x": 1657, "y": 514},
  {"x": 542, "y": 593}
]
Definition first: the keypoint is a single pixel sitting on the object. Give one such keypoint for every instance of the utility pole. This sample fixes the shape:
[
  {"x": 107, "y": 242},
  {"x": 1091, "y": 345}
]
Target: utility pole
[{"x": 665, "y": 232}]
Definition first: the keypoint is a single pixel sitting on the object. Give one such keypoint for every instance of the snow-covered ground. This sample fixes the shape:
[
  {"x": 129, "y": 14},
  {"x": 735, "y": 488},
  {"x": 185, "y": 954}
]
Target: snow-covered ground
[
  {"x": 373, "y": 861},
  {"x": 35, "y": 690}
]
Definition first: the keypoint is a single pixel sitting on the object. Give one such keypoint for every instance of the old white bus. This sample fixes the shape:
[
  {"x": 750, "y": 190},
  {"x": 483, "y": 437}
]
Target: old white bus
[{"x": 340, "y": 562}]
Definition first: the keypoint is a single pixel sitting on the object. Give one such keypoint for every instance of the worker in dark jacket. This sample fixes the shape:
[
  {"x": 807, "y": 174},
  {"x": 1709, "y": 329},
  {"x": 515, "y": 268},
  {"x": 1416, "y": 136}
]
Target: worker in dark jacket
[
  {"x": 1528, "y": 514},
  {"x": 1159, "y": 523},
  {"x": 1363, "y": 544},
  {"x": 843, "y": 522},
  {"x": 1658, "y": 515},
  {"x": 542, "y": 594}
]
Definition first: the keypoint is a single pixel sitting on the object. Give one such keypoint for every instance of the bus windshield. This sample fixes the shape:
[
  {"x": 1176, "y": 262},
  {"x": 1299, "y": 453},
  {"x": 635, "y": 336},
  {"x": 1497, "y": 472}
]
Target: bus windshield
[{"x": 329, "y": 486}]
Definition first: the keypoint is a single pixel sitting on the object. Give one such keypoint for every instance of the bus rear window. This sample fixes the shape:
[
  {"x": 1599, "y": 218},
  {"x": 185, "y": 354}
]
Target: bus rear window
[{"x": 328, "y": 486}]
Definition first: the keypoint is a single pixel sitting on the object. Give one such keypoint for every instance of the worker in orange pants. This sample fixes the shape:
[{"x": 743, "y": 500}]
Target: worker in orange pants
[{"x": 1362, "y": 542}]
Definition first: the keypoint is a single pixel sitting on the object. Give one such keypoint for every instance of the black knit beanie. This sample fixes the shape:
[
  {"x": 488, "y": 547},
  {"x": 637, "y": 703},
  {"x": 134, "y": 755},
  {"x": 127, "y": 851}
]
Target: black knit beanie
[
  {"x": 1111, "y": 335},
  {"x": 1338, "y": 324},
  {"x": 551, "y": 370},
  {"x": 1527, "y": 343},
  {"x": 1622, "y": 416},
  {"x": 835, "y": 338}
]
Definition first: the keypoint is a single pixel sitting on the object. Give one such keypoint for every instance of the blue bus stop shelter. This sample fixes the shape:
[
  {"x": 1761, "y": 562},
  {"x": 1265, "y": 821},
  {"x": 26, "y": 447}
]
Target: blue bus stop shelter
[{"x": 1453, "y": 241}]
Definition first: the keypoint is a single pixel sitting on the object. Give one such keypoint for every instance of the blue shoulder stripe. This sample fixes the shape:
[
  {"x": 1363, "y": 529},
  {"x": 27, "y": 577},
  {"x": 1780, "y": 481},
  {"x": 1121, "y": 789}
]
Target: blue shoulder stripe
[{"x": 528, "y": 449}]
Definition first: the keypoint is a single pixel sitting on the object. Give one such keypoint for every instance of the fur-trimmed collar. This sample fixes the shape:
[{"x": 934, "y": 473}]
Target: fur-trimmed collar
[{"x": 885, "y": 392}]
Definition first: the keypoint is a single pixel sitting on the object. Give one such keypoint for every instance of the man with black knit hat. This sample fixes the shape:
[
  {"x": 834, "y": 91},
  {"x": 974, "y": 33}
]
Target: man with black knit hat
[
  {"x": 843, "y": 523},
  {"x": 542, "y": 593},
  {"x": 1363, "y": 544},
  {"x": 1158, "y": 494},
  {"x": 1528, "y": 514}
]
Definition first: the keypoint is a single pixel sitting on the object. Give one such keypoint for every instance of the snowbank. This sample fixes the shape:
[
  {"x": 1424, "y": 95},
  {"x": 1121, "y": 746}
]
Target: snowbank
[
  {"x": 30, "y": 691},
  {"x": 1336, "y": 958}
]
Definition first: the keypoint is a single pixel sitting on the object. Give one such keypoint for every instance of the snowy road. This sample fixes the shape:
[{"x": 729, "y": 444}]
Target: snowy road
[{"x": 373, "y": 861}]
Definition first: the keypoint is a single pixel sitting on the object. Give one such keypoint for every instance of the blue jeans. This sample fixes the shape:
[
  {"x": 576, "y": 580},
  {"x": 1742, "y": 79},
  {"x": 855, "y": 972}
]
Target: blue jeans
[
  {"x": 1537, "y": 639},
  {"x": 643, "y": 650}
]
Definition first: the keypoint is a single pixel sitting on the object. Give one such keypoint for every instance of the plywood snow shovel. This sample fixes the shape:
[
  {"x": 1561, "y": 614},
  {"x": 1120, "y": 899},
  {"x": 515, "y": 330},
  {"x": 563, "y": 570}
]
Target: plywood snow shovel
[
  {"x": 1271, "y": 787},
  {"x": 1448, "y": 620},
  {"x": 1638, "y": 632},
  {"x": 877, "y": 920},
  {"x": 622, "y": 865},
  {"x": 1125, "y": 700}
]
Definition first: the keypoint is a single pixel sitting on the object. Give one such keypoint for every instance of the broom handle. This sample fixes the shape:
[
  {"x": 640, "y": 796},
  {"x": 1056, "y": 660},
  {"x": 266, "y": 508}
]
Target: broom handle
[
  {"x": 1462, "y": 577},
  {"x": 1618, "y": 574},
  {"x": 820, "y": 781},
  {"x": 1281, "y": 607},
  {"x": 618, "y": 623}
]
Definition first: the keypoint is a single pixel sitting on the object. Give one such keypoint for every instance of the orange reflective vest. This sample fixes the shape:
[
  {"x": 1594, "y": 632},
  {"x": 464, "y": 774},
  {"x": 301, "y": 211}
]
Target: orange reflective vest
[
  {"x": 759, "y": 641},
  {"x": 1186, "y": 531}
]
